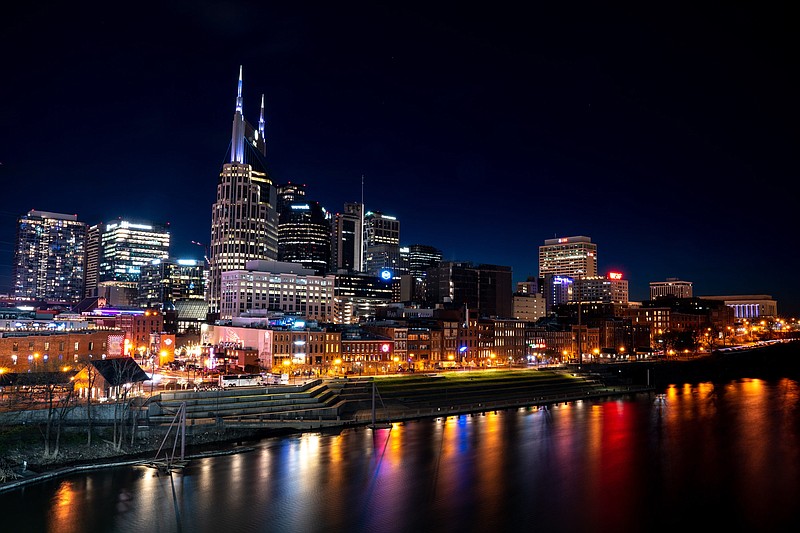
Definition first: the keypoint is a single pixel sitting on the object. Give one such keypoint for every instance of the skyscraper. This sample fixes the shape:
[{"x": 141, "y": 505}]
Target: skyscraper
[
  {"x": 49, "y": 257},
  {"x": 92, "y": 260},
  {"x": 124, "y": 248},
  {"x": 165, "y": 281},
  {"x": 420, "y": 258},
  {"x": 244, "y": 223},
  {"x": 568, "y": 256},
  {"x": 304, "y": 236},
  {"x": 348, "y": 238},
  {"x": 382, "y": 242}
]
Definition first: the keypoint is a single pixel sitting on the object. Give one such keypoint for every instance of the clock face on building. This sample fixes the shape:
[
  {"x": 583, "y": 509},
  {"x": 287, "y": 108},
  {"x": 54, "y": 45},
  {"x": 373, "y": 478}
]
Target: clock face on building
[{"x": 386, "y": 274}]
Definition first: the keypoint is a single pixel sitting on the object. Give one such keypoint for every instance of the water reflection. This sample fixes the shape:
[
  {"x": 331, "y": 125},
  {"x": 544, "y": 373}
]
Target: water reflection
[{"x": 699, "y": 456}]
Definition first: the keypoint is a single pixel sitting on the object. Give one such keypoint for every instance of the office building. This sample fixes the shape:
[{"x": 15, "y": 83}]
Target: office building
[
  {"x": 420, "y": 258},
  {"x": 485, "y": 288},
  {"x": 124, "y": 247},
  {"x": 289, "y": 193},
  {"x": 382, "y": 236},
  {"x": 357, "y": 296},
  {"x": 568, "y": 256},
  {"x": 347, "y": 250},
  {"x": 265, "y": 287},
  {"x": 244, "y": 222},
  {"x": 304, "y": 235},
  {"x": 49, "y": 257},
  {"x": 672, "y": 287},
  {"x": 92, "y": 260},
  {"x": 601, "y": 289},
  {"x": 166, "y": 281}
]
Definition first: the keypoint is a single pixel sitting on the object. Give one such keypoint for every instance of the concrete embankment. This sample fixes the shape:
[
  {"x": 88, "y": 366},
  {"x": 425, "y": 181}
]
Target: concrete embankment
[{"x": 225, "y": 419}]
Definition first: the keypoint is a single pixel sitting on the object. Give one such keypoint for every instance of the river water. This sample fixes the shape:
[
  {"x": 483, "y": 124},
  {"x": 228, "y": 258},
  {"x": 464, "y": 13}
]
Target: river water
[{"x": 699, "y": 456}]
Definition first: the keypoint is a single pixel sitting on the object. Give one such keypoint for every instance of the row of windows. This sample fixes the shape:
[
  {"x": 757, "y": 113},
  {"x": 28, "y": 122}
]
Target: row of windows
[{"x": 47, "y": 346}]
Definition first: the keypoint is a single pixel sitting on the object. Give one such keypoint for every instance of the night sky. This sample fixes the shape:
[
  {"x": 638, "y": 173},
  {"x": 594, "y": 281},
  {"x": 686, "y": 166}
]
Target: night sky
[{"x": 666, "y": 133}]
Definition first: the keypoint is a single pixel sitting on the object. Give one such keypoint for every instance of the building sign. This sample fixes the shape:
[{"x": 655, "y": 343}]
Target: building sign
[
  {"x": 615, "y": 275},
  {"x": 114, "y": 345},
  {"x": 167, "y": 348},
  {"x": 385, "y": 274}
]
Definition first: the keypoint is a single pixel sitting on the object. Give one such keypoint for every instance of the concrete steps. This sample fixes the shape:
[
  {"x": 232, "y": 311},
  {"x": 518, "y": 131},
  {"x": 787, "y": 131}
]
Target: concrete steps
[{"x": 313, "y": 400}]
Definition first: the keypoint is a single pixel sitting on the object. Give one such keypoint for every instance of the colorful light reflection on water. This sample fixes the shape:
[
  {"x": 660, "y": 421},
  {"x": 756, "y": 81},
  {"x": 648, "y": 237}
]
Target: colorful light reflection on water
[{"x": 700, "y": 456}]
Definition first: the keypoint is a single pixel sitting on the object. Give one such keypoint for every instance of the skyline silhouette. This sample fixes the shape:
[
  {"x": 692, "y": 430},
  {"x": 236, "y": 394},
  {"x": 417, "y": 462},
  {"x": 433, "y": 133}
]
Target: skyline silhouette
[{"x": 664, "y": 135}]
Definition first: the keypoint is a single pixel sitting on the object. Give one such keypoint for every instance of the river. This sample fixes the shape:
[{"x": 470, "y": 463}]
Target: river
[{"x": 696, "y": 457}]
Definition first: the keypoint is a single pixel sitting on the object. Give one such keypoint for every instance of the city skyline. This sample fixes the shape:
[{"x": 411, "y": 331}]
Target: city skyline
[{"x": 664, "y": 137}]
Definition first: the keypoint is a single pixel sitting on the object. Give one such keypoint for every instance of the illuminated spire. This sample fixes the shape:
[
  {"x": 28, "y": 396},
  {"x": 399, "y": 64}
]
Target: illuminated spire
[
  {"x": 239, "y": 92},
  {"x": 237, "y": 137},
  {"x": 261, "y": 120}
]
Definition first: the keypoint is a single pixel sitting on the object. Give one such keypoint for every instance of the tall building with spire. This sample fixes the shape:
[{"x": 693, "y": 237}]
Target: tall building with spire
[{"x": 244, "y": 220}]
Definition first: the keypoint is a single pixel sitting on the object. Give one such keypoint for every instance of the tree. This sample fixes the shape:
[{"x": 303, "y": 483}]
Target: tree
[
  {"x": 121, "y": 376},
  {"x": 51, "y": 389},
  {"x": 87, "y": 379}
]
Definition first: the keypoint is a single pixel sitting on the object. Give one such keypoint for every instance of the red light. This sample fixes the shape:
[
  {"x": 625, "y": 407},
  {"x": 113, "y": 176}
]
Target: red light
[
  {"x": 384, "y": 348},
  {"x": 614, "y": 275}
]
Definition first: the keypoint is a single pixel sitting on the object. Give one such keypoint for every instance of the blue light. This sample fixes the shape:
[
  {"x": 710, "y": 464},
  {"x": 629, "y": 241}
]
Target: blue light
[{"x": 385, "y": 274}]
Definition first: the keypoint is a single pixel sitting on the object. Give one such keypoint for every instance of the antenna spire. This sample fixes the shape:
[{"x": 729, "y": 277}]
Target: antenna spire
[
  {"x": 237, "y": 135},
  {"x": 261, "y": 119}
]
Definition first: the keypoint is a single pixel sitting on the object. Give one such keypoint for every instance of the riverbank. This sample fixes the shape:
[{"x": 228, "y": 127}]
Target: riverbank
[
  {"x": 401, "y": 398},
  {"x": 21, "y": 461},
  {"x": 774, "y": 361}
]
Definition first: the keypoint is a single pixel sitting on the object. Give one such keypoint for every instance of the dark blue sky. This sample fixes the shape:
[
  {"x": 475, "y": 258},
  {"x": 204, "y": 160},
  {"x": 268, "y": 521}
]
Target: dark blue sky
[{"x": 665, "y": 133}]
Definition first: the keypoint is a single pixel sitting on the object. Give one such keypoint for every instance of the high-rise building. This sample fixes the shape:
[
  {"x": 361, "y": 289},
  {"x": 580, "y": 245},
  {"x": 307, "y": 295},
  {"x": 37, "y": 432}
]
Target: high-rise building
[
  {"x": 485, "y": 288},
  {"x": 244, "y": 223},
  {"x": 348, "y": 238},
  {"x": 289, "y": 193},
  {"x": 601, "y": 289},
  {"x": 304, "y": 235},
  {"x": 124, "y": 248},
  {"x": 357, "y": 296},
  {"x": 568, "y": 256},
  {"x": 49, "y": 257},
  {"x": 382, "y": 236},
  {"x": 92, "y": 260},
  {"x": 420, "y": 258},
  {"x": 166, "y": 281},
  {"x": 494, "y": 291},
  {"x": 671, "y": 287}
]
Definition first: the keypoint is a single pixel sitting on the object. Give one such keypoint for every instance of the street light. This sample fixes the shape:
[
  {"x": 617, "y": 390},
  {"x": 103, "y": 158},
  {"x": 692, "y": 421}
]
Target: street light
[{"x": 287, "y": 366}]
